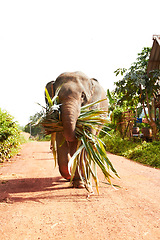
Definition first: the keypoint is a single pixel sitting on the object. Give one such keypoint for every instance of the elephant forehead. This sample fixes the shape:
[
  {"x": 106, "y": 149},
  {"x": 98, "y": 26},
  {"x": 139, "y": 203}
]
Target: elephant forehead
[
  {"x": 76, "y": 78},
  {"x": 74, "y": 84},
  {"x": 71, "y": 89}
]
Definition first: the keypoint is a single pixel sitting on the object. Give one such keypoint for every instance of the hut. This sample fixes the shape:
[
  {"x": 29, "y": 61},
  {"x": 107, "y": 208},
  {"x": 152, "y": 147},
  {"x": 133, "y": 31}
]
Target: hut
[
  {"x": 154, "y": 64},
  {"x": 154, "y": 59}
]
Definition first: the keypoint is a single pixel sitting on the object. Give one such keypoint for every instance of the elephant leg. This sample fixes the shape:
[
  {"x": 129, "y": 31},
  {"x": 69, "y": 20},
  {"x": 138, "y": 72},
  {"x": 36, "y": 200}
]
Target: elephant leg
[
  {"x": 63, "y": 156},
  {"x": 64, "y": 153},
  {"x": 52, "y": 140},
  {"x": 76, "y": 183},
  {"x": 73, "y": 149}
]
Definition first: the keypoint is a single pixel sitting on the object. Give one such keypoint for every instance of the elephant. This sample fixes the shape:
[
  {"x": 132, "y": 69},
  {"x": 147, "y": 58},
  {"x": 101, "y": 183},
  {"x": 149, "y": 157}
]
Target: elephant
[{"x": 76, "y": 90}]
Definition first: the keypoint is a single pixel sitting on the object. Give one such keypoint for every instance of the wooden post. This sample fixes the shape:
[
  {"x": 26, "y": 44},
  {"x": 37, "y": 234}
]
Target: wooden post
[{"x": 30, "y": 130}]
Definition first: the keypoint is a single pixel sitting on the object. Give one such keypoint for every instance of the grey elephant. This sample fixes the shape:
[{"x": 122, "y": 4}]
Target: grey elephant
[{"x": 76, "y": 90}]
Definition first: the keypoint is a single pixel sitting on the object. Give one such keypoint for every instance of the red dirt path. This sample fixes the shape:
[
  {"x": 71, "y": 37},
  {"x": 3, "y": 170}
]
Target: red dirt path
[{"x": 37, "y": 203}]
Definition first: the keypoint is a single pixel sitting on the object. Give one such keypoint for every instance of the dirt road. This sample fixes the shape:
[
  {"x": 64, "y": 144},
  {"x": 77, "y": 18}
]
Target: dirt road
[{"x": 36, "y": 203}]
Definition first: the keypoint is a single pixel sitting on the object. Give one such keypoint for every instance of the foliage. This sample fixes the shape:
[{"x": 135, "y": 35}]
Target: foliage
[
  {"x": 35, "y": 130},
  {"x": 112, "y": 101},
  {"x": 9, "y": 136},
  {"x": 147, "y": 153},
  {"x": 117, "y": 118},
  {"x": 90, "y": 150},
  {"x": 137, "y": 88},
  {"x": 117, "y": 115}
]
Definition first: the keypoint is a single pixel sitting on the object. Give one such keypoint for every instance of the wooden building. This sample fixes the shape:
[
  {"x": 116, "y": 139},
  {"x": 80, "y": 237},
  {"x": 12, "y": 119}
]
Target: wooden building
[
  {"x": 154, "y": 59},
  {"x": 154, "y": 64}
]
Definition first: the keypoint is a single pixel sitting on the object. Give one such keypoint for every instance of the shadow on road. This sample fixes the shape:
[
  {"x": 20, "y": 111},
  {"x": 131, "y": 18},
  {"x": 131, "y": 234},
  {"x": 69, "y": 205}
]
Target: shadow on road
[{"x": 35, "y": 189}]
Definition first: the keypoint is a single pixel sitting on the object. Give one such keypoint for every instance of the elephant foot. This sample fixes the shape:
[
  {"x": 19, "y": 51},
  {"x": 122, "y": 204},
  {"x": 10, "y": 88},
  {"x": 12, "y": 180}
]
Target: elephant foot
[{"x": 77, "y": 183}]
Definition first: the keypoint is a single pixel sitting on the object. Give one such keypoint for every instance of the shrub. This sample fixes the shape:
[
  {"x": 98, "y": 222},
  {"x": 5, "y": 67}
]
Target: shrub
[
  {"x": 144, "y": 152},
  {"x": 116, "y": 144},
  {"x": 9, "y": 136}
]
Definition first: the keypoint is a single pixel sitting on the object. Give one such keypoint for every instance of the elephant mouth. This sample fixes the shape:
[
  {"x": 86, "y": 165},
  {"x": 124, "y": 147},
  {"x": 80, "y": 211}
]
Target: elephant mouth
[{"x": 70, "y": 137}]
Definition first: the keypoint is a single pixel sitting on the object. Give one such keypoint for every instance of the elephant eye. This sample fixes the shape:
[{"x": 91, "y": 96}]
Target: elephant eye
[
  {"x": 83, "y": 95},
  {"x": 84, "y": 99}
]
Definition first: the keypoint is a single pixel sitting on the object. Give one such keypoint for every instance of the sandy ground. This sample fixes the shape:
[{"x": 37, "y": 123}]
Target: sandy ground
[{"x": 37, "y": 203}]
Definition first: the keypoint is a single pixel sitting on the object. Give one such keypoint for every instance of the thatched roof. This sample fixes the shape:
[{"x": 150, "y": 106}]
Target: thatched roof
[{"x": 154, "y": 59}]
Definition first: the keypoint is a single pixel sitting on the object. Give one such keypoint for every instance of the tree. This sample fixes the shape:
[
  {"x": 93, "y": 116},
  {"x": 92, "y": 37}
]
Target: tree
[
  {"x": 36, "y": 130},
  {"x": 137, "y": 88}
]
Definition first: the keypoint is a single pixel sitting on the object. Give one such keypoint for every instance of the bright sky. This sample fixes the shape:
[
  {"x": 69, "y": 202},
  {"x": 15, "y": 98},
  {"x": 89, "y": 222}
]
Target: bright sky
[{"x": 41, "y": 39}]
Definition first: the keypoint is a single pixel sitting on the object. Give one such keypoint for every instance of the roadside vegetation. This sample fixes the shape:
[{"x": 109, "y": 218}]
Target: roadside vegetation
[
  {"x": 134, "y": 93},
  {"x": 10, "y": 137},
  {"x": 147, "y": 153},
  {"x": 131, "y": 105},
  {"x": 36, "y": 131}
]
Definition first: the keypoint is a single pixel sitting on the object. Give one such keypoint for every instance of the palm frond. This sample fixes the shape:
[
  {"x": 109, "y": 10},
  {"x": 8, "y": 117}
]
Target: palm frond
[
  {"x": 91, "y": 150},
  {"x": 48, "y": 98}
]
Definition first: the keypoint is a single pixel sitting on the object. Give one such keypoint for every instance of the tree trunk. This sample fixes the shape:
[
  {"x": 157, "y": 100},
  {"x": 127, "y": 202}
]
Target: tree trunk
[{"x": 151, "y": 121}]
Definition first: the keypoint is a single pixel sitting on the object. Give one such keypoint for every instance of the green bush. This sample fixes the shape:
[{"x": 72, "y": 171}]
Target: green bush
[
  {"x": 9, "y": 136},
  {"x": 115, "y": 144},
  {"x": 37, "y": 132},
  {"x": 144, "y": 152},
  {"x": 45, "y": 138}
]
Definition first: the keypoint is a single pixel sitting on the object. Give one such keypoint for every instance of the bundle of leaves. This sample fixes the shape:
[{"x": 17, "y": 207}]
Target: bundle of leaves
[{"x": 91, "y": 151}]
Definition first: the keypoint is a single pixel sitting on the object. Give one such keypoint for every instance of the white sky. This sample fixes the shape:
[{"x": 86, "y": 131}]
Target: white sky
[{"x": 41, "y": 39}]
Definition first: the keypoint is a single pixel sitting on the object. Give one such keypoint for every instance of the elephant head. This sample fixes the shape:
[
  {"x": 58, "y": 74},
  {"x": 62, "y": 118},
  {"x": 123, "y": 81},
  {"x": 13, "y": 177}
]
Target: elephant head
[{"x": 76, "y": 90}]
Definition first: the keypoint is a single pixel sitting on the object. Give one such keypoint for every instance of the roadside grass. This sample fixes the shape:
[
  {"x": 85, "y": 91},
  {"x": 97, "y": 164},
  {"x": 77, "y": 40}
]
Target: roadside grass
[{"x": 147, "y": 153}]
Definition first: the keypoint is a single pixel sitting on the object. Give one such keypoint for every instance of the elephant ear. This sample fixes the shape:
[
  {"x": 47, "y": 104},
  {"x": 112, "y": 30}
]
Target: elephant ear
[
  {"x": 97, "y": 91},
  {"x": 93, "y": 83},
  {"x": 93, "y": 79},
  {"x": 89, "y": 89}
]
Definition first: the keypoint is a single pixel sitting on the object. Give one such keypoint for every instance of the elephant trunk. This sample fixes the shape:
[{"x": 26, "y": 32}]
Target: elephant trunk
[{"x": 70, "y": 111}]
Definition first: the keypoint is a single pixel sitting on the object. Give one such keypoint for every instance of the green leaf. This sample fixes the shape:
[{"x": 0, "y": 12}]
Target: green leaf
[
  {"x": 48, "y": 98},
  {"x": 91, "y": 104},
  {"x": 73, "y": 161}
]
